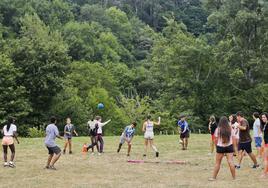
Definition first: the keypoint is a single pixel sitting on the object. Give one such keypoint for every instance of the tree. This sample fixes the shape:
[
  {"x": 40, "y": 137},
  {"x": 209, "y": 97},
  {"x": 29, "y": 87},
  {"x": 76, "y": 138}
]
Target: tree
[
  {"x": 13, "y": 98},
  {"x": 41, "y": 56}
]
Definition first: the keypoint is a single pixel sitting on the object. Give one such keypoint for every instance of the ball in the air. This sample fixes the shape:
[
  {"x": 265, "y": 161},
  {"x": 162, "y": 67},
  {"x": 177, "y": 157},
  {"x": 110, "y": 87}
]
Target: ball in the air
[{"x": 100, "y": 106}]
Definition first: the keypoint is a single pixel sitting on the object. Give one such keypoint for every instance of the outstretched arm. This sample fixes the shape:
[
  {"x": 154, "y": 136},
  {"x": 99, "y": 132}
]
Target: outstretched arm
[
  {"x": 102, "y": 124},
  {"x": 159, "y": 121}
]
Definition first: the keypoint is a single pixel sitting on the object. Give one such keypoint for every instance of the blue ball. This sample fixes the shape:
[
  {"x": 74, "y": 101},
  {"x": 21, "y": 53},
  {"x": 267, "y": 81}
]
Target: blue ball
[{"x": 100, "y": 106}]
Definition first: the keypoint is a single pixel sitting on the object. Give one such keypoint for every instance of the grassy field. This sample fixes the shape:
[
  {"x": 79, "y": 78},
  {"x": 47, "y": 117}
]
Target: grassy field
[{"x": 112, "y": 170}]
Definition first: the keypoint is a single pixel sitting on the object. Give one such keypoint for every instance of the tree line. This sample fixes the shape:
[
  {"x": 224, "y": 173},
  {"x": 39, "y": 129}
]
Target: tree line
[{"x": 137, "y": 57}]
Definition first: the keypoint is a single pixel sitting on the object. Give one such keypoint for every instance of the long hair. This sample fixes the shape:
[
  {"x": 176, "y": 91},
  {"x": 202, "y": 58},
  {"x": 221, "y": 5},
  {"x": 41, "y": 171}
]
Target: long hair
[
  {"x": 263, "y": 123},
  {"x": 9, "y": 122},
  {"x": 224, "y": 130},
  {"x": 234, "y": 119}
]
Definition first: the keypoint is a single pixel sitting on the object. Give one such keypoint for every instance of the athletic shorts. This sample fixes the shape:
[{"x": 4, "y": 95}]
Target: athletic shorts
[
  {"x": 123, "y": 139},
  {"x": 227, "y": 149},
  {"x": 245, "y": 147},
  {"x": 69, "y": 137},
  {"x": 7, "y": 140},
  {"x": 52, "y": 150},
  {"x": 258, "y": 141},
  {"x": 149, "y": 135},
  {"x": 185, "y": 135}
]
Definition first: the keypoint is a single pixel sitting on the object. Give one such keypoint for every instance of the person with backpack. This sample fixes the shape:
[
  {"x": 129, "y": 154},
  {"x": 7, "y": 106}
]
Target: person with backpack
[
  {"x": 10, "y": 132},
  {"x": 97, "y": 131}
]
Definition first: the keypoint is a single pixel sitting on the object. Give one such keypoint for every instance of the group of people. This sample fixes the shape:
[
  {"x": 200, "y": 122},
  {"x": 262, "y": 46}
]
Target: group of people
[{"x": 231, "y": 137}]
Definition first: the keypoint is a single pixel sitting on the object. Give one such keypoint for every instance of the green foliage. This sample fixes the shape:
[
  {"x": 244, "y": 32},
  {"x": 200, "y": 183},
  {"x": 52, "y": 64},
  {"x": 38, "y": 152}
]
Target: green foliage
[
  {"x": 36, "y": 133},
  {"x": 13, "y": 98},
  {"x": 160, "y": 57}
]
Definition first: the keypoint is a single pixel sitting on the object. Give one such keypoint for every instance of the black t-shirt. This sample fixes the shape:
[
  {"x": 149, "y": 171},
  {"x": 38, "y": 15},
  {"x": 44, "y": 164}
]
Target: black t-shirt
[
  {"x": 265, "y": 133},
  {"x": 213, "y": 127}
]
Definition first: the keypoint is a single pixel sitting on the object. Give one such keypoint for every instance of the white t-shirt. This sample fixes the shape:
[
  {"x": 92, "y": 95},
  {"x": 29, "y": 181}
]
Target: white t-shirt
[
  {"x": 10, "y": 132},
  {"x": 219, "y": 143}
]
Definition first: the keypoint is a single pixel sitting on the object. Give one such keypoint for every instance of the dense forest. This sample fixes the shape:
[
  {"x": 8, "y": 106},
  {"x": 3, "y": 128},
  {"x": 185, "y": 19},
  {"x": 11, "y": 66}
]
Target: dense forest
[{"x": 137, "y": 57}]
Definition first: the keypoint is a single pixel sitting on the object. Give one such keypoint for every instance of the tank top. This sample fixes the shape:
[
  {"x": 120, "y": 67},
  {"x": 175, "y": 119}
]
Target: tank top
[{"x": 149, "y": 126}]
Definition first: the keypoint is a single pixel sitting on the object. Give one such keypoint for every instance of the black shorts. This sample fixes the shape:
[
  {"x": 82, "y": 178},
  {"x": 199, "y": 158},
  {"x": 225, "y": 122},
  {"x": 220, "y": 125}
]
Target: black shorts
[
  {"x": 52, "y": 150},
  {"x": 245, "y": 147},
  {"x": 227, "y": 149},
  {"x": 185, "y": 135}
]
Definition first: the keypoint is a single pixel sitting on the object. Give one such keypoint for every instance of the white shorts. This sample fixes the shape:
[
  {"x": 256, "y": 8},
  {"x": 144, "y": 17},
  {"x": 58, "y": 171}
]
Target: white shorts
[{"x": 149, "y": 135}]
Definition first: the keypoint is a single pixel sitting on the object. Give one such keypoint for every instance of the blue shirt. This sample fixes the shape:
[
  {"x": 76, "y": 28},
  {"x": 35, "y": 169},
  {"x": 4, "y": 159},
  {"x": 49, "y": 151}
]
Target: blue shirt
[
  {"x": 129, "y": 131},
  {"x": 183, "y": 125},
  {"x": 51, "y": 133}
]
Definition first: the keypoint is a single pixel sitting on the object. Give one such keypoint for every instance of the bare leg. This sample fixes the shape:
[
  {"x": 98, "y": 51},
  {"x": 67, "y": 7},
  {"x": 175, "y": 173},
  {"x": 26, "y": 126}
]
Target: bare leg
[
  {"x": 54, "y": 159},
  {"x": 230, "y": 161},
  {"x": 49, "y": 159},
  {"x": 212, "y": 146},
  {"x": 12, "y": 148},
  {"x": 253, "y": 158},
  {"x": 129, "y": 149},
  {"x": 5, "y": 152},
  {"x": 219, "y": 157},
  {"x": 65, "y": 146},
  {"x": 240, "y": 156},
  {"x": 186, "y": 142},
  {"x": 145, "y": 146},
  {"x": 70, "y": 145},
  {"x": 153, "y": 146}
]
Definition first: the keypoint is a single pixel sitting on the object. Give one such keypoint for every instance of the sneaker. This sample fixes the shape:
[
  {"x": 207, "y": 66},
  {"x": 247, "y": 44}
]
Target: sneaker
[
  {"x": 64, "y": 151},
  {"x": 255, "y": 166},
  {"x": 211, "y": 179},
  {"x": 52, "y": 168},
  {"x": 11, "y": 164},
  {"x": 237, "y": 166},
  {"x": 46, "y": 167},
  {"x": 157, "y": 154},
  {"x": 99, "y": 154},
  {"x": 128, "y": 155},
  {"x": 70, "y": 152},
  {"x": 144, "y": 155},
  {"x": 92, "y": 153},
  {"x": 118, "y": 150},
  {"x": 6, "y": 164}
]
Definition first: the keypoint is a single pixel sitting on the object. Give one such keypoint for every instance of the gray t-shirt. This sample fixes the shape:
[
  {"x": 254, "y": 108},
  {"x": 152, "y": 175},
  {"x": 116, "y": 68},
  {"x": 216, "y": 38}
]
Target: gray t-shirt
[{"x": 51, "y": 133}]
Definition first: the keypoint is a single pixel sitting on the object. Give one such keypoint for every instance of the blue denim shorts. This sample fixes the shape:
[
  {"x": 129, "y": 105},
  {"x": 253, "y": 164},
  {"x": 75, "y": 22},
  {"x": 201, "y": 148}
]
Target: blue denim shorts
[{"x": 258, "y": 141}]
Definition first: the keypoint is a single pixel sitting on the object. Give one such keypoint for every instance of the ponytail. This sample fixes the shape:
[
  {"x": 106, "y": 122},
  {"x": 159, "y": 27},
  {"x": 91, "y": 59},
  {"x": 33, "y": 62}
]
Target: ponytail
[{"x": 9, "y": 122}]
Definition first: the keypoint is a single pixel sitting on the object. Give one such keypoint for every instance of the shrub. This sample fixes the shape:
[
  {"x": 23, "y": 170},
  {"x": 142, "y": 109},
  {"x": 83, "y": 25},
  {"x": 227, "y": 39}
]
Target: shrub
[{"x": 35, "y": 132}]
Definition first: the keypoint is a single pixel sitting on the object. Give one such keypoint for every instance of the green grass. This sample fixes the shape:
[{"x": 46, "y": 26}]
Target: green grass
[{"x": 112, "y": 170}]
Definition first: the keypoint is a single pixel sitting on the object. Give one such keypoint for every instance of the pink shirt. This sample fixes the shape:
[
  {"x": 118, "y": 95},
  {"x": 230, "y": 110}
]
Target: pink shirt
[{"x": 219, "y": 143}]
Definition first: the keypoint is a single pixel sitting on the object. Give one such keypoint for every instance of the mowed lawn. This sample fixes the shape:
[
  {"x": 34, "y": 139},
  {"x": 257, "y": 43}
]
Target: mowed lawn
[{"x": 112, "y": 170}]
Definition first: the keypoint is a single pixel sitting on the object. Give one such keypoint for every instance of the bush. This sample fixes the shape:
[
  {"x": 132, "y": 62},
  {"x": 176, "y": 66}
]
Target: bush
[{"x": 35, "y": 132}]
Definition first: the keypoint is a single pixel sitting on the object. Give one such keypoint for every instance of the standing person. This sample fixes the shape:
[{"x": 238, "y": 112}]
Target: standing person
[
  {"x": 234, "y": 125},
  {"x": 212, "y": 126},
  {"x": 224, "y": 136},
  {"x": 127, "y": 136},
  {"x": 93, "y": 135},
  {"x": 99, "y": 138},
  {"x": 54, "y": 151},
  {"x": 244, "y": 140},
  {"x": 69, "y": 130},
  {"x": 257, "y": 133},
  {"x": 184, "y": 131},
  {"x": 148, "y": 129},
  {"x": 9, "y": 132},
  {"x": 264, "y": 118}
]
